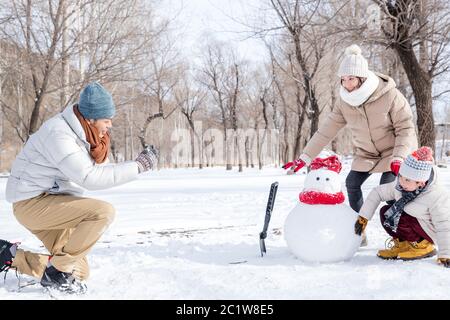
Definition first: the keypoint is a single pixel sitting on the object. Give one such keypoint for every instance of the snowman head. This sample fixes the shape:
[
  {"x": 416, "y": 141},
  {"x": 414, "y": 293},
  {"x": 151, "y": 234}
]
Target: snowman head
[{"x": 324, "y": 176}]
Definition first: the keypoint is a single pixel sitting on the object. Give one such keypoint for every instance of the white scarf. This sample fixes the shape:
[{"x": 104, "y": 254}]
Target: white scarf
[{"x": 359, "y": 96}]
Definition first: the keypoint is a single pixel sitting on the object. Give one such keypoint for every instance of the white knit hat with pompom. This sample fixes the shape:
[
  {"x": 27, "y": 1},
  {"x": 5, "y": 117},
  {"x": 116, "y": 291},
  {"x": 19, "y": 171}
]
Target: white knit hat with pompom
[{"x": 353, "y": 64}]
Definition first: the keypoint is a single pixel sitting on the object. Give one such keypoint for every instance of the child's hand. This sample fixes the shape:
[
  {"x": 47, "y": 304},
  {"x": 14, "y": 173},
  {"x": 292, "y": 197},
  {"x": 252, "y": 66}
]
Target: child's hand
[
  {"x": 360, "y": 225},
  {"x": 445, "y": 262}
]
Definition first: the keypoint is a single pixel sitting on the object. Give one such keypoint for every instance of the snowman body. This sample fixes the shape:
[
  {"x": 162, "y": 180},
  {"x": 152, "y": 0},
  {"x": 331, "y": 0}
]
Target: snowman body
[{"x": 321, "y": 227}]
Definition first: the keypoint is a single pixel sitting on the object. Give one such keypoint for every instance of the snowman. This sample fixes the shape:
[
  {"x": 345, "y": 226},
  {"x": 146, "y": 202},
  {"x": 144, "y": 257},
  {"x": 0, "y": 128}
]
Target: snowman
[{"x": 321, "y": 227}]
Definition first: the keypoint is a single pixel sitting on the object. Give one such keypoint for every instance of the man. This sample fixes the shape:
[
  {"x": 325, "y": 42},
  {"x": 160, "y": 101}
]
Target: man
[{"x": 69, "y": 153}]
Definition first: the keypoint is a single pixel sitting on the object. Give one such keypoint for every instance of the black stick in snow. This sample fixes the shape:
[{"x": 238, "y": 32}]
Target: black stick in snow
[{"x": 270, "y": 203}]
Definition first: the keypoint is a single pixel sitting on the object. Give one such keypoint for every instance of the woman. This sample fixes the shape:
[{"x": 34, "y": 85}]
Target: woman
[{"x": 380, "y": 119}]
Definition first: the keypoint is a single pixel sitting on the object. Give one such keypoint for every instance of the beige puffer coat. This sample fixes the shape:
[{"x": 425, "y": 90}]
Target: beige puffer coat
[{"x": 382, "y": 129}]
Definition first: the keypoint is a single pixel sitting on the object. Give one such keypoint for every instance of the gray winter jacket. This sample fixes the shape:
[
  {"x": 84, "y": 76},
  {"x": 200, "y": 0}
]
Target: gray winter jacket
[
  {"x": 431, "y": 208},
  {"x": 56, "y": 160}
]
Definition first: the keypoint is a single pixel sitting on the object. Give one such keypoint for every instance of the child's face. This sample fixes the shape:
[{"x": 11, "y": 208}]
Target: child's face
[{"x": 410, "y": 185}]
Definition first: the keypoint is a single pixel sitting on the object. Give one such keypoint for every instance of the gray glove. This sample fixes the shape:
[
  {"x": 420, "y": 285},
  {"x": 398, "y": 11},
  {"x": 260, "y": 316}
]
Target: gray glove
[{"x": 147, "y": 159}]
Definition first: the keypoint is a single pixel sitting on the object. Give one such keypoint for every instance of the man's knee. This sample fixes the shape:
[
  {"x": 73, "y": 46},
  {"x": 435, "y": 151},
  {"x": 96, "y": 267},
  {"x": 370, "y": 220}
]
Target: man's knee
[{"x": 105, "y": 211}]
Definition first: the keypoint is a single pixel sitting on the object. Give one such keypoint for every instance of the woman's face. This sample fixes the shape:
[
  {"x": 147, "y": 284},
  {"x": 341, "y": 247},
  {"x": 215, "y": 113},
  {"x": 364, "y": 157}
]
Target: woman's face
[
  {"x": 410, "y": 185},
  {"x": 350, "y": 83}
]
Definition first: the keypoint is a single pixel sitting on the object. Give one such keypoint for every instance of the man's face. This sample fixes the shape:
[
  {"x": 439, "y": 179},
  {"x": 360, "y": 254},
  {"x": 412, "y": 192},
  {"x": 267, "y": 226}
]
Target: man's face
[
  {"x": 410, "y": 185},
  {"x": 102, "y": 125}
]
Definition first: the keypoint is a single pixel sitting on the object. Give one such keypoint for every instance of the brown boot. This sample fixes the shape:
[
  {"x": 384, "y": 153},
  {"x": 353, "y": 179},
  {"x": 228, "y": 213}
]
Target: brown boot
[
  {"x": 393, "y": 248},
  {"x": 418, "y": 250}
]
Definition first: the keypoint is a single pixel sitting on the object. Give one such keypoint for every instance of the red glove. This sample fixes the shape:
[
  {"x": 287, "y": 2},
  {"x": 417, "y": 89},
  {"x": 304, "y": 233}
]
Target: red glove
[
  {"x": 298, "y": 164},
  {"x": 395, "y": 166}
]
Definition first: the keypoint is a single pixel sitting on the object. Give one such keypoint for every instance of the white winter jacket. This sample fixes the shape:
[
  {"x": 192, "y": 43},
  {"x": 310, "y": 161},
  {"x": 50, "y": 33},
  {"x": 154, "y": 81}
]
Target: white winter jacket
[
  {"x": 56, "y": 160},
  {"x": 431, "y": 209}
]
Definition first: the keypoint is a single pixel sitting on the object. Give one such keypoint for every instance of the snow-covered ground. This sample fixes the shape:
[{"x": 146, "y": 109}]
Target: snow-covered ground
[{"x": 194, "y": 234}]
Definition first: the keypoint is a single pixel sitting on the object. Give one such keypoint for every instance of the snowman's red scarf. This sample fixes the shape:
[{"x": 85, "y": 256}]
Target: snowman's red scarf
[{"x": 316, "y": 197}]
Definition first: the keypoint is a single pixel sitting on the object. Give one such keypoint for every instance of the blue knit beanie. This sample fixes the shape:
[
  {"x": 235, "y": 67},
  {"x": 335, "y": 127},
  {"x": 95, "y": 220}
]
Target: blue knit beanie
[{"x": 96, "y": 102}]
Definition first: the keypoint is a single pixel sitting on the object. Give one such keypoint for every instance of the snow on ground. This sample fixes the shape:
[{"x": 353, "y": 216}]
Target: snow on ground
[{"x": 194, "y": 234}]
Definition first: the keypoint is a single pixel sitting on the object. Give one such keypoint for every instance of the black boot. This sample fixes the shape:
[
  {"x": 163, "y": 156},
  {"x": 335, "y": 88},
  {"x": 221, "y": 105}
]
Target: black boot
[
  {"x": 7, "y": 254},
  {"x": 62, "y": 281}
]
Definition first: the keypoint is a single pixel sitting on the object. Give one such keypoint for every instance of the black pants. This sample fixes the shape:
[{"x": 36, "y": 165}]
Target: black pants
[{"x": 354, "y": 181}]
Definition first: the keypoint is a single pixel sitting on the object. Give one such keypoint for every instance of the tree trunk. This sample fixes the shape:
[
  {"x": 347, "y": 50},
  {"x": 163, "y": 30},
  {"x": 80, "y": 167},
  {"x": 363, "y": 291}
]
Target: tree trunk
[
  {"x": 301, "y": 119},
  {"x": 192, "y": 129},
  {"x": 200, "y": 151},
  {"x": 247, "y": 152},
  {"x": 130, "y": 128},
  {"x": 229, "y": 166},
  {"x": 422, "y": 88},
  {"x": 286, "y": 137},
  {"x": 258, "y": 147},
  {"x": 238, "y": 149},
  {"x": 64, "y": 58}
]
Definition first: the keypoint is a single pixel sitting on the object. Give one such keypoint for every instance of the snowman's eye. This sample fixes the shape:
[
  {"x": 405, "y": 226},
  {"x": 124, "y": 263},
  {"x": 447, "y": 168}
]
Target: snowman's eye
[
  {"x": 328, "y": 179},
  {"x": 317, "y": 178}
]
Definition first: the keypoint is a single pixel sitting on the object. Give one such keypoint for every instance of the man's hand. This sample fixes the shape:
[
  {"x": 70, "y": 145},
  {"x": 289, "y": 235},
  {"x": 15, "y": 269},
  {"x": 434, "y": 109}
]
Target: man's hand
[
  {"x": 297, "y": 164},
  {"x": 445, "y": 262},
  {"x": 360, "y": 225},
  {"x": 395, "y": 166},
  {"x": 147, "y": 159}
]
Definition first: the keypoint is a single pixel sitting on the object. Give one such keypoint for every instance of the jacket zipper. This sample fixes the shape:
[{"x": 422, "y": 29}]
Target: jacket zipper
[{"x": 370, "y": 134}]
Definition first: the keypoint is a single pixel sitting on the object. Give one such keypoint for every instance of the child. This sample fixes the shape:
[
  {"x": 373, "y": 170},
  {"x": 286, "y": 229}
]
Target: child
[{"x": 420, "y": 216}]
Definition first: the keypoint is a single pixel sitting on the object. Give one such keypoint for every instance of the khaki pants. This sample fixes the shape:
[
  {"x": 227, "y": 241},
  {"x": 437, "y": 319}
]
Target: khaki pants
[{"x": 68, "y": 226}]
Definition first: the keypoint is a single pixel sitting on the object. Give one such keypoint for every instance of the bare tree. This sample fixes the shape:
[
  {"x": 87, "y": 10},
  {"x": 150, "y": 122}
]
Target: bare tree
[
  {"x": 112, "y": 40},
  {"x": 160, "y": 79},
  {"x": 214, "y": 75},
  {"x": 309, "y": 48},
  {"x": 418, "y": 31},
  {"x": 255, "y": 112},
  {"x": 190, "y": 100},
  {"x": 300, "y": 48},
  {"x": 234, "y": 87}
]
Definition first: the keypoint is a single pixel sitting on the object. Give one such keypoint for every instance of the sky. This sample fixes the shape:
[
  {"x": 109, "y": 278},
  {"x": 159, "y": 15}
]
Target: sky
[{"x": 224, "y": 20}]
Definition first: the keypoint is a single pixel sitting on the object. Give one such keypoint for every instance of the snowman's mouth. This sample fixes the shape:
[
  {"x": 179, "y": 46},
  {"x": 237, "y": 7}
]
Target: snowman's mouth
[{"x": 318, "y": 197}]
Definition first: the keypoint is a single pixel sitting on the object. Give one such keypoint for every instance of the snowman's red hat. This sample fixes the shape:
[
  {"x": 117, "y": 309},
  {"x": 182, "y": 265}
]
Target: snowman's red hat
[{"x": 331, "y": 163}]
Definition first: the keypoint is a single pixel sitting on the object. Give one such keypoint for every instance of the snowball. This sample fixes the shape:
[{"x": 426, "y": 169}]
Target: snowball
[
  {"x": 322, "y": 233},
  {"x": 323, "y": 180}
]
